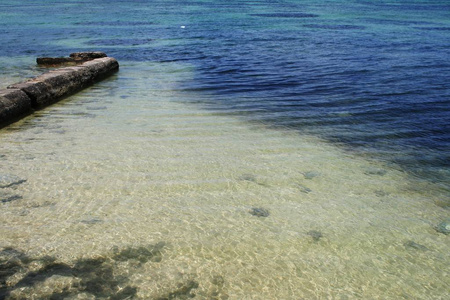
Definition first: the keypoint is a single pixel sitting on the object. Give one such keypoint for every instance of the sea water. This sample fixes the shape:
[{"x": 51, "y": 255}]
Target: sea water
[{"x": 245, "y": 150}]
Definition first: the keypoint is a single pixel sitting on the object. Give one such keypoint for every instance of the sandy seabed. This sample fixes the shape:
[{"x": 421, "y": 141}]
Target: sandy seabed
[{"x": 133, "y": 191}]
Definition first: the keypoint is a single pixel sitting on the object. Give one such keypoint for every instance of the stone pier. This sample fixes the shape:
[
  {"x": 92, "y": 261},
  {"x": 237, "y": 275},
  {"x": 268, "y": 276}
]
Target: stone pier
[{"x": 86, "y": 68}]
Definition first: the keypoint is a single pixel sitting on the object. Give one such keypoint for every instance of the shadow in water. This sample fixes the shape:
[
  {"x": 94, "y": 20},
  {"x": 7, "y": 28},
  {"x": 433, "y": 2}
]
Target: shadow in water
[{"x": 95, "y": 277}]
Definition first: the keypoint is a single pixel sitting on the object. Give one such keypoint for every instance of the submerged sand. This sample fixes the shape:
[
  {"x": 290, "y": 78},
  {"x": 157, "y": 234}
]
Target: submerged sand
[{"x": 158, "y": 193}]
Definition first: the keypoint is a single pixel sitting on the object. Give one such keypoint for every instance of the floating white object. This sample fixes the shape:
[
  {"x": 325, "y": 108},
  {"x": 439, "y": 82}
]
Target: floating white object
[{"x": 182, "y": 26}]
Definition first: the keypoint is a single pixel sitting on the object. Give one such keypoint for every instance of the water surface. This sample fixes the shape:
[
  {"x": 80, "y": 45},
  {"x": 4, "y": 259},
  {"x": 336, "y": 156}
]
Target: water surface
[{"x": 267, "y": 150}]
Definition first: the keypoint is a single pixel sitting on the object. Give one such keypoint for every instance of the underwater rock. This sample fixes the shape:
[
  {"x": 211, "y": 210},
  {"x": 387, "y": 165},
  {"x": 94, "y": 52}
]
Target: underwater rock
[
  {"x": 141, "y": 254},
  {"x": 7, "y": 180},
  {"x": 259, "y": 212},
  {"x": 311, "y": 174},
  {"x": 216, "y": 289},
  {"x": 304, "y": 189},
  {"x": 252, "y": 178},
  {"x": 218, "y": 280},
  {"x": 91, "y": 221},
  {"x": 11, "y": 261},
  {"x": 444, "y": 227},
  {"x": 44, "y": 278},
  {"x": 380, "y": 193},
  {"x": 96, "y": 108},
  {"x": 23, "y": 212},
  {"x": 9, "y": 198},
  {"x": 316, "y": 235},
  {"x": 375, "y": 171},
  {"x": 414, "y": 245},
  {"x": 183, "y": 292},
  {"x": 247, "y": 177}
]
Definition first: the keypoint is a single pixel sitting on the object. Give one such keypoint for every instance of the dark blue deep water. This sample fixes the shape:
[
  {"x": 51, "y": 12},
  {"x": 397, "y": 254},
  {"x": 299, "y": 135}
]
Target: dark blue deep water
[{"x": 371, "y": 76}]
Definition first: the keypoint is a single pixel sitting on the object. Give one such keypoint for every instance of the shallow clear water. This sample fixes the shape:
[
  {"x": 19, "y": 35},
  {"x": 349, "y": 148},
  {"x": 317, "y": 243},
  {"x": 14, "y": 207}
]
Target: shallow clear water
[{"x": 143, "y": 186}]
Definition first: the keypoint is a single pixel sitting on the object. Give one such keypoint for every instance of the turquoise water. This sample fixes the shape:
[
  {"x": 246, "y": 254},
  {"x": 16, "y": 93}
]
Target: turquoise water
[
  {"x": 369, "y": 76},
  {"x": 245, "y": 150}
]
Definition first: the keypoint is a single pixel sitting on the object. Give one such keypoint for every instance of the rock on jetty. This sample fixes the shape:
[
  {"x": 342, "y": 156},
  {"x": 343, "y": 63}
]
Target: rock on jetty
[
  {"x": 21, "y": 99},
  {"x": 73, "y": 59}
]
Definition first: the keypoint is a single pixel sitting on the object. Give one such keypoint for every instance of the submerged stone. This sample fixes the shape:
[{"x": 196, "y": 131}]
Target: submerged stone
[
  {"x": 184, "y": 291},
  {"x": 218, "y": 280},
  {"x": 96, "y": 107},
  {"x": 304, "y": 189},
  {"x": 142, "y": 254},
  {"x": 316, "y": 235},
  {"x": 443, "y": 227},
  {"x": 259, "y": 212},
  {"x": 7, "y": 180},
  {"x": 381, "y": 193},
  {"x": 414, "y": 245},
  {"x": 91, "y": 278},
  {"x": 375, "y": 171},
  {"x": 91, "y": 221},
  {"x": 311, "y": 174},
  {"x": 252, "y": 178},
  {"x": 9, "y": 198},
  {"x": 248, "y": 177}
]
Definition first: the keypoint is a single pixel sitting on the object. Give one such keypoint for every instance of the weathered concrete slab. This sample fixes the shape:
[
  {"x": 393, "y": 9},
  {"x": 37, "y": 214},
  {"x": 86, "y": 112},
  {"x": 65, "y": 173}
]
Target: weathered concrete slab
[
  {"x": 56, "y": 84},
  {"x": 22, "y": 98},
  {"x": 14, "y": 104}
]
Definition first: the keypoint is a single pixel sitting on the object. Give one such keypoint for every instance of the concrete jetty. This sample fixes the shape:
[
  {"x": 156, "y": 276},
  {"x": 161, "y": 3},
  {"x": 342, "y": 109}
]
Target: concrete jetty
[{"x": 86, "y": 68}]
